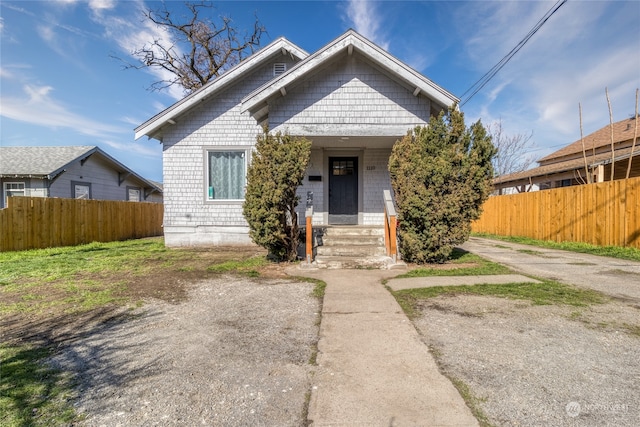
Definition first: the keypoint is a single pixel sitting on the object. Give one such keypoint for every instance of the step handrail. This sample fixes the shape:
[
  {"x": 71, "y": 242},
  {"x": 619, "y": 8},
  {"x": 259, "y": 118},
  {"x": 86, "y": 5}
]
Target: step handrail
[
  {"x": 309, "y": 234},
  {"x": 390, "y": 226}
]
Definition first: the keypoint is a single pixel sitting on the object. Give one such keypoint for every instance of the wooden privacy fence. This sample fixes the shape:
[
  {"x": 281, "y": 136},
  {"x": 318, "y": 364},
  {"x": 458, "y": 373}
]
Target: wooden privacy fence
[
  {"x": 604, "y": 214},
  {"x": 35, "y": 222}
]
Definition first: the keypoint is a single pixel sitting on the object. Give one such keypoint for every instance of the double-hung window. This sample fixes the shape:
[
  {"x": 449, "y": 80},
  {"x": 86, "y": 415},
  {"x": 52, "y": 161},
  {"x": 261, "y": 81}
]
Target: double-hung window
[
  {"x": 13, "y": 189},
  {"x": 226, "y": 174}
]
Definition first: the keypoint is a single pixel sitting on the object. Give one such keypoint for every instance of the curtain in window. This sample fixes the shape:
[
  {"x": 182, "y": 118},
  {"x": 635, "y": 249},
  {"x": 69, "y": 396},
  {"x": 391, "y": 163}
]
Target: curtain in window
[{"x": 226, "y": 175}]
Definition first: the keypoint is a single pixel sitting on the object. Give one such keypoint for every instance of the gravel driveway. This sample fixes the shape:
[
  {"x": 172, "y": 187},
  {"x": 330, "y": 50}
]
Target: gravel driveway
[
  {"x": 534, "y": 365},
  {"x": 236, "y": 353}
]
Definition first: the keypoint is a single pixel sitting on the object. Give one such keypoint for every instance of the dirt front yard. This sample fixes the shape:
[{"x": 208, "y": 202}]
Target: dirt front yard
[
  {"x": 193, "y": 346},
  {"x": 234, "y": 351}
]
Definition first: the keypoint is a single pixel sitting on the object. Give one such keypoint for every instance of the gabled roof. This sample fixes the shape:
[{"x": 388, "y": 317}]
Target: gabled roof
[
  {"x": 622, "y": 131},
  {"x": 49, "y": 162},
  {"x": 40, "y": 162},
  {"x": 153, "y": 127},
  {"x": 257, "y": 101},
  {"x": 541, "y": 173},
  {"x": 571, "y": 157}
]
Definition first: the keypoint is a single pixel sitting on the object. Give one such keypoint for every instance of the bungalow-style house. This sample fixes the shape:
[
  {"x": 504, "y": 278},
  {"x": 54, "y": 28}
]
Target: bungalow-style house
[
  {"x": 351, "y": 98},
  {"x": 591, "y": 155},
  {"x": 80, "y": 172}
]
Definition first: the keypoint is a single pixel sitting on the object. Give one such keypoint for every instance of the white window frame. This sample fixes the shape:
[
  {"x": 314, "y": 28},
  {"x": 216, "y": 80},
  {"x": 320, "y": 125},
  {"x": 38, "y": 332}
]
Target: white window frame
[
  {"x": 134, "y": 189},
  {"x": 74, "y": 190},
  {"x": 245, "y": 150},
  {"x": 6, "y": 190}
]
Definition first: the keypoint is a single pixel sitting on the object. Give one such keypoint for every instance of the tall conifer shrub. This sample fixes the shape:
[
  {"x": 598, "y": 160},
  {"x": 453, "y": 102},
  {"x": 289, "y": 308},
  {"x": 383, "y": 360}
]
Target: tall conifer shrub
[
  {"x": 277, "y": 168},
  {"x": 441, "y": 174}
]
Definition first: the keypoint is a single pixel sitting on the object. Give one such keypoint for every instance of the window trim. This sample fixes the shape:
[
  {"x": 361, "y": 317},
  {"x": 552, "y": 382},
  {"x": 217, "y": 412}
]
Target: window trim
[
  {"x": 129, "y": 188},
  {"x": 81, "y": 183},
  {"x": 5, "y": 190},
  {"x": 246, "y": 149}
]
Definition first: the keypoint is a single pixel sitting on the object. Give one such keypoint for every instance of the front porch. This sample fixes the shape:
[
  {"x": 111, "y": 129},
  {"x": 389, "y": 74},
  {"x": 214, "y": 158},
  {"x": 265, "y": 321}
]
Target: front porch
[
  {"x": 345, "y": 180},
  {"x": 352, "y": 246}
]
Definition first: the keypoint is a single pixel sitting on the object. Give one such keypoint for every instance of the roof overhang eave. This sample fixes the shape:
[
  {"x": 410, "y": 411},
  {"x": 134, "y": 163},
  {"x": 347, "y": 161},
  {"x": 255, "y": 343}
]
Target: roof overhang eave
[
  {"x": 154, "y": 126},
  {"x": 259, "y": 99}
]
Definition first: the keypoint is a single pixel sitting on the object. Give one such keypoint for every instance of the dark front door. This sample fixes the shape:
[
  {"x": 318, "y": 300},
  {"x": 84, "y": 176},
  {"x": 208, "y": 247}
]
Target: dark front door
[{"x": 343, "y": 190}]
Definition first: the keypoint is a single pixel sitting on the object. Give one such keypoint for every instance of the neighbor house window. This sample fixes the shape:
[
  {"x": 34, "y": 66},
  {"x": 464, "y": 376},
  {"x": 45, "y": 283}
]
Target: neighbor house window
[
  {"x": 80, "y": 190},
  {"x": 226, "y": 175},
  {"x": 133, "y": 194},
  {"x": 13, "y": 189}
]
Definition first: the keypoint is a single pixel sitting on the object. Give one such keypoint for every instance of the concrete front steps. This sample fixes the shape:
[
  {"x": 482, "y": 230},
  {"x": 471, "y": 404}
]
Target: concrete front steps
[{"x": 352, "y": 246}]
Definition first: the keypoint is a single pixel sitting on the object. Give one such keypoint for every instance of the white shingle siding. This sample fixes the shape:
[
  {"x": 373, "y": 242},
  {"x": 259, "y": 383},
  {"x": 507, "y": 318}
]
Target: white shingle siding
[
  {"x": 375, "y": 174},
  {"x": 189, "y": 218},
  {"x": 351, "y": 98},
  {"x": 348, "y": 98}
]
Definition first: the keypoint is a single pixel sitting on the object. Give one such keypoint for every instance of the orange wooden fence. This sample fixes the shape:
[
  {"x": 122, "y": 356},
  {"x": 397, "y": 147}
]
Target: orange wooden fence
[
  {"x": 604, "y": 214},
  {"x": 35, "y": 222}
]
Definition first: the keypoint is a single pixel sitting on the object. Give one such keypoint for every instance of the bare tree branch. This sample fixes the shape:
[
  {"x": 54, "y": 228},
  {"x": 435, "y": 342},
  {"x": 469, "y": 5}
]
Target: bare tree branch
[
  {"x": 635, "y": 137},
  {"x": 613, "y": 151},
  {"x": 199, "y": 50},
  {"x": 512, "y": 150}
]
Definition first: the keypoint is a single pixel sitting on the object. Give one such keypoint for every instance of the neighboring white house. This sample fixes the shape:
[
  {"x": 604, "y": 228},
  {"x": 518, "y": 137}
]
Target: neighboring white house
[
  {"x": 351, "y": 98},
  {"x": 80, "y": 172}
]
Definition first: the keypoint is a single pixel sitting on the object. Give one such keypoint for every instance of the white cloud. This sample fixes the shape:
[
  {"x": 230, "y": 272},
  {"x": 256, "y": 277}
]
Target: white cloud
[
  {"x": 97, "y": 5},
  {"x": 150, "y": 150},
  {"x": 132, "y": 32},
  {"x": 576, "y": 54},
  {"x": 37, "y": 107},
  {"x": 366, "y": 20},
  {"x": 46, "y": 33}
]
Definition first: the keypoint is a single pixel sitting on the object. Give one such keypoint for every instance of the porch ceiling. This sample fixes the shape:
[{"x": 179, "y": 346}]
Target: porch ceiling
[{"x": 352, "y": 142}]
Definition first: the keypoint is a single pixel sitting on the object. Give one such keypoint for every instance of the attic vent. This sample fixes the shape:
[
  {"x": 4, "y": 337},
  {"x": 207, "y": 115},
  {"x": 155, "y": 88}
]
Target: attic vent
[{"x": 279, "y": 68}]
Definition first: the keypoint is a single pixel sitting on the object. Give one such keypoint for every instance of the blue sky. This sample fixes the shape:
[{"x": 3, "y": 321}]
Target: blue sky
[{"x": 60, "y": 85}]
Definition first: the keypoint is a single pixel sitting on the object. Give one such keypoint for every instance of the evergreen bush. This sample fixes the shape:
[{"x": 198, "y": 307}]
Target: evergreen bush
[
  {"x": 441, "y": 174},
  {"x": 276, "y": 171}
]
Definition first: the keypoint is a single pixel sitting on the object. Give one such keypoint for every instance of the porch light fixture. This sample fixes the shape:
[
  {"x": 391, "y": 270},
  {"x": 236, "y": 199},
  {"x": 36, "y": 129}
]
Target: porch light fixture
[{"x": 171, "y": 122}]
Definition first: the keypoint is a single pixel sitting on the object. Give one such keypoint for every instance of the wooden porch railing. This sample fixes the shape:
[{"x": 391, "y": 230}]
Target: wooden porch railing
[
  {"x": 309, "y": 232},
  {"x": 390, "y": 226}
]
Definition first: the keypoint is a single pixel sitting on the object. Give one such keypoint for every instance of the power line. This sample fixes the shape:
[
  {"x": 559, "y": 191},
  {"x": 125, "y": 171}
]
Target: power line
[{"x": 478, "y": 85}]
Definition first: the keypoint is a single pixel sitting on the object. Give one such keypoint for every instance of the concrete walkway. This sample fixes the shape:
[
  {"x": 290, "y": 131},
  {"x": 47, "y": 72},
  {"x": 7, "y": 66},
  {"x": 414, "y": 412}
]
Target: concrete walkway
[
  {"x": 612, "y": 276},
  {"x": 373, "y": 368}
]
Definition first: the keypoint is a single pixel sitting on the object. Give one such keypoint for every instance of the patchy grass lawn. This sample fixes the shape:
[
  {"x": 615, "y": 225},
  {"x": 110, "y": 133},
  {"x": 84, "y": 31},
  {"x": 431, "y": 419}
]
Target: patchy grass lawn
[
  {"x": 544, "y": 293},
  {"x": 48, "y": 291},
  {"x": 462, "y": 263},
  {"x": 81, "y": 278},
  {"x": 632, "y": 254},
  {"x": 32, "y": 393}
]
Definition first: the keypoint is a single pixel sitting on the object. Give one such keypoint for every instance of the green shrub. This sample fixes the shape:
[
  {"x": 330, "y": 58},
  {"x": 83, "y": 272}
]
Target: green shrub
[
  {"x": 441, "y": 174},
  {"x": 277, "y": 168}
]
